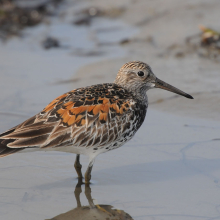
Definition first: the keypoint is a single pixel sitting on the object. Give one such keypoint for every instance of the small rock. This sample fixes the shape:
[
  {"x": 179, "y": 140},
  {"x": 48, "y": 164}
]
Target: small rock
[
  {"x": 83, "y": 21},
  {"x": 179, "y": 54},
  {"x": 125, "y": 41},
  {"x": 50, "y": 42}
]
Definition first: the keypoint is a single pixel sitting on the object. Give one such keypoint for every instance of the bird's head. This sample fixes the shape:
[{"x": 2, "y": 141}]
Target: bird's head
[{"x": 137, "y": 77}]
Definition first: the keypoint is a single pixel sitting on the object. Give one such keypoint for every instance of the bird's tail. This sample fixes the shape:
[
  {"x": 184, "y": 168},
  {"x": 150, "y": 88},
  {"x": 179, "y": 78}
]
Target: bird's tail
[{"x": 4, "y": 149}]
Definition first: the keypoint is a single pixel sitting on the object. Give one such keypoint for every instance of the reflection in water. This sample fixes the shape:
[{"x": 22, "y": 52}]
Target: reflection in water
[{"x": 91, "y": 212}]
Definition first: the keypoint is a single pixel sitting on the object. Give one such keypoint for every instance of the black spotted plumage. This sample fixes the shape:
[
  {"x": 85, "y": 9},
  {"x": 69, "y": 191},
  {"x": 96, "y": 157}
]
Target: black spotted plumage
[{"x": 84, "y": 117}]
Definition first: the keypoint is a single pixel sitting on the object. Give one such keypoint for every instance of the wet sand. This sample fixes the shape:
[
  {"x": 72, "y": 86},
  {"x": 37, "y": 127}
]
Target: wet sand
[{"x": 170, "y": 169}]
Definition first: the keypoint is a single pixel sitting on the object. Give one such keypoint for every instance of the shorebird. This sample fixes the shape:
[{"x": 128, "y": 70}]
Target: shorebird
[{"x": 90, "y": 120}]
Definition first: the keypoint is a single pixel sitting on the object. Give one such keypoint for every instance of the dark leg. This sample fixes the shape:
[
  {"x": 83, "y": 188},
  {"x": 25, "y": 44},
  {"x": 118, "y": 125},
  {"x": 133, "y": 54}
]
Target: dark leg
[
  {"x": 88, "y": 172},
  {"x": 77, "y": 192},
  {"x": 90, "y": 200},
  {"x": 78, "y": 167},
  {"x": 88, "y": 195}
]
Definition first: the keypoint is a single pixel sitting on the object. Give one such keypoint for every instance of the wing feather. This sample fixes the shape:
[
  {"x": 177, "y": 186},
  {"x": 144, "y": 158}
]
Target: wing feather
[
  {"x": 91, "y": 116},
  {"x": 28, "y": 142}
]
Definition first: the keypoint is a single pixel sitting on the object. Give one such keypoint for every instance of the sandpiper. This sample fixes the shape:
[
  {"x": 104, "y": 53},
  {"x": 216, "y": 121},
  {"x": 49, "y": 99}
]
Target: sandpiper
[{"x": 90, "y": 120}]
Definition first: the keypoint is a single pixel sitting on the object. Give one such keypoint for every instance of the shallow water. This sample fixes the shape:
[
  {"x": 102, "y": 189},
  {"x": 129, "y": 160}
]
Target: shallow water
[{"x": 169, "y": 170}]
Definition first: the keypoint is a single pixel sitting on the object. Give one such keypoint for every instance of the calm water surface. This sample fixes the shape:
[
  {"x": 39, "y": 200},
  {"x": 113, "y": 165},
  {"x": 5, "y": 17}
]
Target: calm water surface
[{"x": 169, "y": 171}]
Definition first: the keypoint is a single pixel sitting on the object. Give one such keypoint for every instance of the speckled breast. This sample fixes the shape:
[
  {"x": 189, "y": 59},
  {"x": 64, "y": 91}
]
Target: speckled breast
[{"x": 131, "y": 122}]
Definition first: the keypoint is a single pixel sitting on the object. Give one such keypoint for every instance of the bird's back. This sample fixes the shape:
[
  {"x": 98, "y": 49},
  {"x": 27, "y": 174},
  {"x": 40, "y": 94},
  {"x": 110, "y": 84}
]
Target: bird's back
[{"x": 100, "y": 118}]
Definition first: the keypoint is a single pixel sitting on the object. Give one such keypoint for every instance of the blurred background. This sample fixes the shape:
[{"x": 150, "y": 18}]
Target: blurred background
[
  {"x": 48, "y": 47},
  {"x": 51, "y": 46}
]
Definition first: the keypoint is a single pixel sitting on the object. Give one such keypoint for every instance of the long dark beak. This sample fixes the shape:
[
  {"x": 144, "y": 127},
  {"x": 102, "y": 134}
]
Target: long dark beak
[{"x": 162, "y": 85}]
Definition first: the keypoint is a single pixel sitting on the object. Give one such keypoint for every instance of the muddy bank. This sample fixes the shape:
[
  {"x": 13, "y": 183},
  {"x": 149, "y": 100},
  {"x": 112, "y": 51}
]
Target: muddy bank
[{"x": 17, "y": 15}]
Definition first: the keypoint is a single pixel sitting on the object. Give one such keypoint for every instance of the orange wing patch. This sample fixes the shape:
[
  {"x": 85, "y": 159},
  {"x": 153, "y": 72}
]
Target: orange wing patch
[
  {"x": 90, "y": 108},
  {"x": 103, "y": 117},
  {"x": 104, "y": 111},
  {"x": 105, "y": 101},
  {"x": 77, "y": 115},
  {"x": 96, "y": 109},
  {"x": 115, "y": 107},
  {"x": 69, "y": 105},
  {"x": 72, "y": 120},
  {"x": 53, "y": 103},
  {"x": 105, "y": 107},
  {"x": 78, "y": 110},
  {"x": 66, "y": 116}
]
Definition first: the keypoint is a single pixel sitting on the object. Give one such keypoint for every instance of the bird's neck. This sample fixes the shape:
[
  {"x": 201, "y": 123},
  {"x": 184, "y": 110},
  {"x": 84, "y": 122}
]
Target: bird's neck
[
  {"x": 141, "y": 94},
  {"x": 137, "y": 92}
]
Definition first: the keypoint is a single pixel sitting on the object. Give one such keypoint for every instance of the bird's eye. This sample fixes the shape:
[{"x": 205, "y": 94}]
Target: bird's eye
[{"x": 140, "y": 73}]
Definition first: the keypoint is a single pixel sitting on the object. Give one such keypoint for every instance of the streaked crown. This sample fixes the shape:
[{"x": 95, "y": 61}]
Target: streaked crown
[
  {"x": 134, "y": 77},
  {"x": 137, "y": 77},
  {"x": 134, "y": 65}
]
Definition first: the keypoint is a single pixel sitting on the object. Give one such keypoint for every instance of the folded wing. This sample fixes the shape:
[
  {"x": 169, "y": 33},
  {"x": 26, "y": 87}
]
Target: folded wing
[{"x": 91, "y": 116}]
